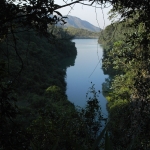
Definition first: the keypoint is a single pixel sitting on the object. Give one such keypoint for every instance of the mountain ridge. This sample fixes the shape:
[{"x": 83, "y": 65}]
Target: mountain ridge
[{"x": 76, "y": 22}]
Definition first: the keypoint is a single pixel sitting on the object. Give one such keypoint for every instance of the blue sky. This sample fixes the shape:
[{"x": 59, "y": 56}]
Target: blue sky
[{"x": 95, "y": 16}]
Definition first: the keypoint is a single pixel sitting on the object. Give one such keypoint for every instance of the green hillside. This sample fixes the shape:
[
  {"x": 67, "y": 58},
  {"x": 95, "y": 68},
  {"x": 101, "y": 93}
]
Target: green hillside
[
  {"x": 126, "y": 61},
  {"x": 81, "y": 33},
  {"x": 34, "y": 110}
]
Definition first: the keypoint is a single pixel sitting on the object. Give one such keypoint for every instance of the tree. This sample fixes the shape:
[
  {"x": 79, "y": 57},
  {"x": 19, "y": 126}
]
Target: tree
[
  {"x": 130, "y": 88},
  {"x": 134, "y": 53}
]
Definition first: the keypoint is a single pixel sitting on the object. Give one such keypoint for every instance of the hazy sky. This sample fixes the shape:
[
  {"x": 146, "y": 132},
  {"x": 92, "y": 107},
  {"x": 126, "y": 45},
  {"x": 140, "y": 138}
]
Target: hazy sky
[{"x": 95, "y": 16}]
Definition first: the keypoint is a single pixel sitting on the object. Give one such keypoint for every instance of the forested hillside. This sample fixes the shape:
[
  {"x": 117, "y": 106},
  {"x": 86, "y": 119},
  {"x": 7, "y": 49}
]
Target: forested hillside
[
  {"x": 126, "y": 60},
  {"x": 81, "y": 33},
  {"x": 30, "y": 70},
  {"x": 35, "y": 112}
]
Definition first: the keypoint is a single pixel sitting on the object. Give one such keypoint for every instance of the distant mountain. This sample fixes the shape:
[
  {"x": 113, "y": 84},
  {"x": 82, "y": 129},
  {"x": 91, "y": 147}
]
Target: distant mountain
[{"x": 81, "y": 24}]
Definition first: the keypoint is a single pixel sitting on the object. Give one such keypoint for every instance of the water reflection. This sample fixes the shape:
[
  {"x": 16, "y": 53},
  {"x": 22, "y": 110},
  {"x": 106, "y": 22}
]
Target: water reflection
[{"x": 87, "y": 68}]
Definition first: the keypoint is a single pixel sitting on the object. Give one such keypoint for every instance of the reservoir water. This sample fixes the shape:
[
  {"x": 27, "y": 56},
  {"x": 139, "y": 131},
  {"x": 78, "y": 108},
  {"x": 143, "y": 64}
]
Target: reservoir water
[{"x": 85, "y": 71}]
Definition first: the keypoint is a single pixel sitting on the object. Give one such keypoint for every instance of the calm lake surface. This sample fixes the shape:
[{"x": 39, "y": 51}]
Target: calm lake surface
[{"x": 85, "y": 69}]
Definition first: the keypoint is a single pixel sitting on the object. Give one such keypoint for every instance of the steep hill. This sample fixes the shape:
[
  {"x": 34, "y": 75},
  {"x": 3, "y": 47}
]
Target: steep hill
[{"x": 76, "y": 22}]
